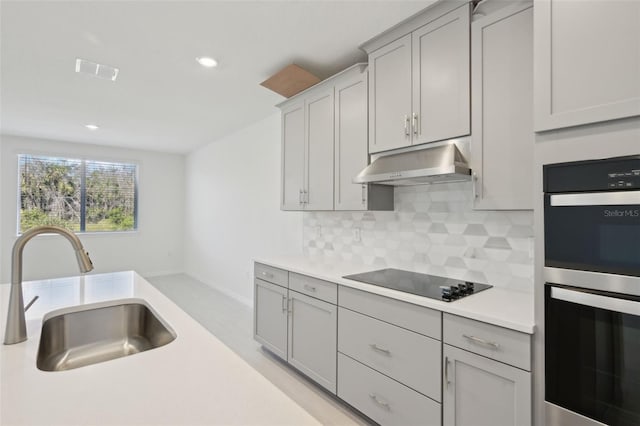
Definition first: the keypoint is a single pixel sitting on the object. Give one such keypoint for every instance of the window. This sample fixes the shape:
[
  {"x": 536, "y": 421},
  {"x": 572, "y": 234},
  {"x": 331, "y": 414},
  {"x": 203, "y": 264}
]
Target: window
[{"x": 80, "y": 195}]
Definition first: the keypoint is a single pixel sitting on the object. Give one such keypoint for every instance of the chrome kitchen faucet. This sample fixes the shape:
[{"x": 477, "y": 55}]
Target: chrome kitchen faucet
[{"x": 16, "y": 330}]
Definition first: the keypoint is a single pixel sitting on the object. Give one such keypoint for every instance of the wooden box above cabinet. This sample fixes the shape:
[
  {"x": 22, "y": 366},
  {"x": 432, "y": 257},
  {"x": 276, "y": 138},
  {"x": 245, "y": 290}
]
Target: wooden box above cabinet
[
  {"x": 419, "y": 79},
  {"x": 324, "y": 145}
]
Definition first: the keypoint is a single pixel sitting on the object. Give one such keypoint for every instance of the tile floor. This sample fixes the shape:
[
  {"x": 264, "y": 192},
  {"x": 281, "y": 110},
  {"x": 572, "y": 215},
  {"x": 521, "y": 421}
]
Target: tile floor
[{"x": 231, "y": 322}]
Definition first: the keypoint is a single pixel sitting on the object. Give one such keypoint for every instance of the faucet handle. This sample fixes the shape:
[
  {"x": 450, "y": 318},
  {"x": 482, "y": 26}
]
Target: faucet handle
[{"x": 26, "y": 308}]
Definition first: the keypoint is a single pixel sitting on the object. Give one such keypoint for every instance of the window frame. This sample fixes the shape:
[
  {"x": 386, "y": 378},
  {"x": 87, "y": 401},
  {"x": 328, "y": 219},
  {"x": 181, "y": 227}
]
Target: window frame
[{"x": 83, "y": 167}]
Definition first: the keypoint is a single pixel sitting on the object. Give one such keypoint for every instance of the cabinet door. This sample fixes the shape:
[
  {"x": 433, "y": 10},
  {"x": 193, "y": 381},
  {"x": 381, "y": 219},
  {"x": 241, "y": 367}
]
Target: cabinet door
[
  {"x": 293, "y": 156},
  {"x": 313, "y": 338},
  {"x": 587, "y": 62},
  {"x": 350, "y": 142},
  {"x": 502, "y": 137},
  {"x": 478, "y": 391},
  {"x": 441, "y": 98},
  {"x": 319, "y": 152},
  {"x": 390, "y": 96},
  {"x": 270, "y": 317}
]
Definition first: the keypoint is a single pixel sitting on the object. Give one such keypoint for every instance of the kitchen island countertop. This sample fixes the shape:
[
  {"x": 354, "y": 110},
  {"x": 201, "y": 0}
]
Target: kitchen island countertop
[{"x": 194, "y": 380}]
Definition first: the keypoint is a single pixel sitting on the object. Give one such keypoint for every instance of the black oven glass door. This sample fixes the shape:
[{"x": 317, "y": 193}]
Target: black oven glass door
[
  {"x": 597, "y": 232},
  {"x": 592, "y": 354}
]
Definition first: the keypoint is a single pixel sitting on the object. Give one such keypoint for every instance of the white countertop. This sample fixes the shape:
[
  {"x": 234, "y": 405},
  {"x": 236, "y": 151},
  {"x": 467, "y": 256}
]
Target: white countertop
[
  {"x": 194, "y": 380},
  {"x": 499, "y": 306}
]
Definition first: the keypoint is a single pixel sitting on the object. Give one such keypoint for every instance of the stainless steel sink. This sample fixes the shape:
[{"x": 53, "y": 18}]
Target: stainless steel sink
[{"x": 90, "y": 334}]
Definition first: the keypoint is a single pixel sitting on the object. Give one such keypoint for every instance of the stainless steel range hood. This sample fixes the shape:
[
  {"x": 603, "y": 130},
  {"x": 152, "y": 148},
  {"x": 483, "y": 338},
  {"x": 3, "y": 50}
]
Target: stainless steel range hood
[{"x": 443, "y": 163}]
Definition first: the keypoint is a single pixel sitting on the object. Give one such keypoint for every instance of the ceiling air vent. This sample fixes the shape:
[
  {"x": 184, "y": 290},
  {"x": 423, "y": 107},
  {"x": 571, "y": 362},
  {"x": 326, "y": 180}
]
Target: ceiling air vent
[{"x": 105, "y": 72}]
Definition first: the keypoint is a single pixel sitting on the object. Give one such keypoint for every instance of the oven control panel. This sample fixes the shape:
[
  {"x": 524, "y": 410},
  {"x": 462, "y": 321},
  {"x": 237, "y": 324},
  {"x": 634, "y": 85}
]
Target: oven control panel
[
  {"x": 611, "y": 174},
  {"x": 624, "y": 179}
]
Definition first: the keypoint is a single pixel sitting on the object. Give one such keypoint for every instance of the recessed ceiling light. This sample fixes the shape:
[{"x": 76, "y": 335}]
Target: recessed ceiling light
[
  {"x": 92, "y": 126},
  {"x": 207, "y": 62}
]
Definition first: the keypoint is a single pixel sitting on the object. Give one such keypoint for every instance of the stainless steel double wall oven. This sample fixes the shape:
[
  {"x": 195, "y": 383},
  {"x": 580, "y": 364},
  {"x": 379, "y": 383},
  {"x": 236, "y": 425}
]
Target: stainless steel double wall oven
[{"x": 592, "y": 292}]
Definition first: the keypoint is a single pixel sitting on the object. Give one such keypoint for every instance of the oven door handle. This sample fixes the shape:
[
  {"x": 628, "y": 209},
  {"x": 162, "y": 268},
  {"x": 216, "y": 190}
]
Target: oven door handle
[
  {"x": 596, "y": 301},
  {"x": 614, "y": 198}
]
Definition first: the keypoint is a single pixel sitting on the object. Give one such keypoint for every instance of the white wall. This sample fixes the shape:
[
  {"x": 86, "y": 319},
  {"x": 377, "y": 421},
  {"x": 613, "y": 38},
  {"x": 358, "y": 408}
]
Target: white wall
[
  {"x": 156, "y": 248},
  {"x": 232, "y": 208}
]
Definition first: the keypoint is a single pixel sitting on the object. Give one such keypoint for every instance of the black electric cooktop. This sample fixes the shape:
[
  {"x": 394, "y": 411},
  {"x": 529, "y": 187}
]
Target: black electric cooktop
[{"x": 431, "y": 286}]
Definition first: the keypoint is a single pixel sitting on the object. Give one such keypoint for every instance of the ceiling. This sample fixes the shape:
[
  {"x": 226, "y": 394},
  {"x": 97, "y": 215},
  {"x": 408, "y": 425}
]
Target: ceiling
[{"x": 163, "y": 100}]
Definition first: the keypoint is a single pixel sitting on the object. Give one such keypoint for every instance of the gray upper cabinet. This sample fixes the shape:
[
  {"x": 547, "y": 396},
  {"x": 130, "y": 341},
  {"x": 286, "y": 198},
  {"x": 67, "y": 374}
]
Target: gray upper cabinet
[
  {"x": 324, "y": 146},
  {"x": 350, "y": 140},
  {"x": 390, "y": 96},
  {"x": 293, "y": 155},
  {"x": 351, "y": 151},
  {"x": 587, "y": 62},
  {"x": 479, "y": 391},
  {"x": 502, "y": 107},
  {"x": 270, "y": 317},
  {"x": 419, "y": 87},
  {"x": 313, "y": 338},
  {"x": 318, "y": 191},
  {"x": 307, "y": 152},
  {"x": 441, "y": 78}
]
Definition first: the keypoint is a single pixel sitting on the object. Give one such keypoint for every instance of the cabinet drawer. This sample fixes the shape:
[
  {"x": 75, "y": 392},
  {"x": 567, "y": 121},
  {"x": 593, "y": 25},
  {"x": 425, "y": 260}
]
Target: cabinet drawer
[
  {"x": 406, "y": 315},
  {"x": 408, "y": 357},
  {"x": 271, "y": 274},
  {"x": 382, "y": 399},
  {"x": 314, "y": 287},
  {"x": 508, "y": 346}
]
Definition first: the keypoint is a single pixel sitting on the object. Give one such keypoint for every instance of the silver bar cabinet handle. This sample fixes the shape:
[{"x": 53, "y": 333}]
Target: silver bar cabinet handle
[
  {"x": 309, "y": 287},
  {"x": 284, "y": 304},
  {"x": 300, "y": 197},
  {"x": 414, "y": 123},
  {"x": 379, "y": 349},
  {"x": 380, "y": 402},
  {"x": 267, "y": 274},
  {"x": 446, "y": 371},
  {"x": 406, "y": 125},
  {"x": 364, "y": 194},
  {"x": 480, "y": 341},
  {"x": 474, "y": 182}
]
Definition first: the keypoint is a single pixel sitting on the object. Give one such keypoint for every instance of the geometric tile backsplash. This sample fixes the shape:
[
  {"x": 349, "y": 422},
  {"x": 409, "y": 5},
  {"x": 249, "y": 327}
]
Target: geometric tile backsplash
[{"x": 432, "y": 230}]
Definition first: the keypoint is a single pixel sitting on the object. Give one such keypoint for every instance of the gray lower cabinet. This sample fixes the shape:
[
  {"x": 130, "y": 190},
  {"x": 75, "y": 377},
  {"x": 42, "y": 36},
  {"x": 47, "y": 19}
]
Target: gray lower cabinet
[
  {"x": 389, "y": 358},
  {"x": 312, "y": 338},
  {"x": 397, "y": 363},
  {"x": 479, "y": 391},
  {"x": 296, "y": 318},
  {"x": 406, "y": 356},
  {"x": 270, "y": 317},
  {"x": 383, "y": 399}
]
